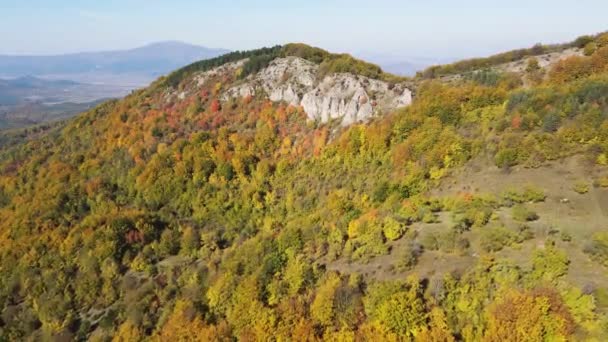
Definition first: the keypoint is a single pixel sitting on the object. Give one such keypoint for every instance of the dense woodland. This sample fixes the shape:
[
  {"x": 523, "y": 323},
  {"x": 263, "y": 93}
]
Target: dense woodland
[{"x": 153, "y": 218}]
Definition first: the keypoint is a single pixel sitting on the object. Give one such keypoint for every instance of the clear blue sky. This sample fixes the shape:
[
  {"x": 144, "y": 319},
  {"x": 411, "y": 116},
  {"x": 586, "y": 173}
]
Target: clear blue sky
[{"x": 440, "y": 28}]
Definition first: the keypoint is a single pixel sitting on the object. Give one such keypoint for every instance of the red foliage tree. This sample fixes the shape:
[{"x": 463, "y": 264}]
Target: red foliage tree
[
  {"x": 215, "y": 106},
  {"x": 516, "y": 121}
]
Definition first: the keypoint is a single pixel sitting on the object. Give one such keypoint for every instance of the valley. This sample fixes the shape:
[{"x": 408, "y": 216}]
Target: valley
[{"x": 40, "y": 89}]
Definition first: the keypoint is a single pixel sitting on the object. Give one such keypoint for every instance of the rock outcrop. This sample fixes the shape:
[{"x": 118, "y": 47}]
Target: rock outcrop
[{"x": 345, "y": 97}]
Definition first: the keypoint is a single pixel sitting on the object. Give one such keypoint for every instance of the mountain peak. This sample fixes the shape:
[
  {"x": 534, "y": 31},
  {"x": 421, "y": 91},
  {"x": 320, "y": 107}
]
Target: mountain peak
[
  {"x": 177, "y": 44},
  {"x": 327, "y": 86}
]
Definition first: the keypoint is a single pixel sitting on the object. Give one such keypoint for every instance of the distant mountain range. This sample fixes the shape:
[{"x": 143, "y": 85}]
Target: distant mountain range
[
  {"x": 151, "y": 61},
  {"x": 35, "y": 89},
  {"x": 401, "y": 65}
]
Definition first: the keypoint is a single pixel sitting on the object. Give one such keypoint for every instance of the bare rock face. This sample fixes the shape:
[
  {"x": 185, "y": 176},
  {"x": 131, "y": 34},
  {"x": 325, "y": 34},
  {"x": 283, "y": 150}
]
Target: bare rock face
[
  {"x": 345, "y": 97},
  {"x": 202, "y": 77}
]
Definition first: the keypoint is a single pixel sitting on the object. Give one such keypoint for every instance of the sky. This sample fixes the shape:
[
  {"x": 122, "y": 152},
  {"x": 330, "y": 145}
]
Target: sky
[{"x": 439, "y": 29}]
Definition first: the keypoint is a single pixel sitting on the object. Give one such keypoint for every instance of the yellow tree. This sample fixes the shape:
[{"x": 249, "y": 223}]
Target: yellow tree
[{"x": 521, "y": 316}]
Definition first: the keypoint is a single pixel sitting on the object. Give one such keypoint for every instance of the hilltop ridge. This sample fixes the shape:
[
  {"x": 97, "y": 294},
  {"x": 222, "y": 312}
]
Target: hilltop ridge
[{"x": 327, "y": 86}]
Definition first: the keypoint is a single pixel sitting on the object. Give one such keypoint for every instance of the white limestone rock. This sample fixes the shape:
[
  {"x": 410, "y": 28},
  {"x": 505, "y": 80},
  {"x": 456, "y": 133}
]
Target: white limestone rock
[{"x": 346, "y": 97}]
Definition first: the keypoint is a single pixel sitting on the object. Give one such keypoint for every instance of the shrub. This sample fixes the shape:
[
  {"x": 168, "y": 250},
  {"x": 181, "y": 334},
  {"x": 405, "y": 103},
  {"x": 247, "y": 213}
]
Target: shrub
[
  {"x": 313, "y": 54},
  {"x": 590, "y": 48},
  {"x": 551, "y": 122},
  {"x": 582, "y": 41},
  {"x": 602, "y": 182},
  {"x": 524, "y": 233},
  {"x": 529, "y": 194},
  {"x": 534, "y": 71},
  {"x": 495, "y": 239},
  {"x": 571, "y": 69},
  {"x": 430, "y": 241},
  {"x": 346, "y": 63},
  {"x": 225, "y": 171},
  {"x": 521, "y": 213},
  {"x": 549, "y": 263},
  {"x": 169, "y": 242},
  {"x": 366, "y": 248},
  {"x": 534, "y": 195},
  {"x": 506, "y": 157},
  {"x": 486, "y": 77},
  {"x": 581, "y": 187},
  {"x": 453, "y": 242},
  {"x": 408, "y": 256},
  {"x": 381, "y": 192},
  {"x": 598, "y": 248},
  {"x": 601, "y": 295},
  {"x": 532, "y": 65},
  {"x": 602, "y": 40},
  {"x": 429, "y": 217},
  {"x": 366, "y": 236},
  {"x": 392, "y": 229}
]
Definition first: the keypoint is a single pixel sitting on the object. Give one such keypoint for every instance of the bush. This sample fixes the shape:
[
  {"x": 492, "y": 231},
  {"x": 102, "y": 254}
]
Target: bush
[
  {"x": 598, "y": 248},
  {"x": 534, "y": 195},
  {"x": 381, "y": 192},
  {"x": 532, "y": 66},
  {"x": 169, "y": 242},
  {"x": 581, "y": 187},
  {"x": 225, "y": 171},
  {"x": 524, "y": 233},
  {"x": 582, "y": 41},
  {"x": 429, "y": 217},
  {"x": 486, "y": 77},
  {"x": 551, "y": 122},
  {"x": 506, "y": 157},
  {"x": 392, "y": 229},
  {"x": 602, "y": 182},
  {"x": 521, "y": 213},
  {"x": 348, "y": 64},
  {"x": 452, "y": 242},
  {"x": 495, "y": 239},
  {"x": 590, "y": 48},
  {"x": 602, "y": 40},
  {"x": 408, "y": 256},
  {"x": 549, "y": 263},
  {"x": 366, "y": 236},
  {"x": 430, "y": 241},
  {"x": 529, "y": 194}
]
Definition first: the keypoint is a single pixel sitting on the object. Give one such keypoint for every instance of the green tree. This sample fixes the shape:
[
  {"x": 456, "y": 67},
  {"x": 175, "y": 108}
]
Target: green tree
[
  {"x": 190, "y": 241},
  {"x": 549, "y": 263}
]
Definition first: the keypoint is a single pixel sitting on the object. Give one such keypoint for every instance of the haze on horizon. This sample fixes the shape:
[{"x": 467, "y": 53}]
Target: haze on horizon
[{"x": 439, "y": 29}]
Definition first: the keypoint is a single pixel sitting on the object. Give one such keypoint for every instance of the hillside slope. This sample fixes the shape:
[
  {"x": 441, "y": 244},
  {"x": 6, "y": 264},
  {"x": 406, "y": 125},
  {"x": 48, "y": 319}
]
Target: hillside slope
[{"x": 213, "y": 206}]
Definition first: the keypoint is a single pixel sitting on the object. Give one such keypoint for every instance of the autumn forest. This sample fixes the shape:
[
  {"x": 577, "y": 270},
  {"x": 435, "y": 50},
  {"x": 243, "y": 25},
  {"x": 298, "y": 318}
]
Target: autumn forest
[{"x": 201, "y": 217}]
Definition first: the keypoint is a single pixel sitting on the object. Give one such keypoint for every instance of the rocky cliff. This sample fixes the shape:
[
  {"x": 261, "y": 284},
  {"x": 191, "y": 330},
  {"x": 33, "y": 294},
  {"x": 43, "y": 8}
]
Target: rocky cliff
[{"x": 345, "y": 97}]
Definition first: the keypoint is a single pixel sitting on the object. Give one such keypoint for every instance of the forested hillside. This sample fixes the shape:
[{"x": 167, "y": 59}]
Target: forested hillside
[{"x": 203, "y": 218}]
